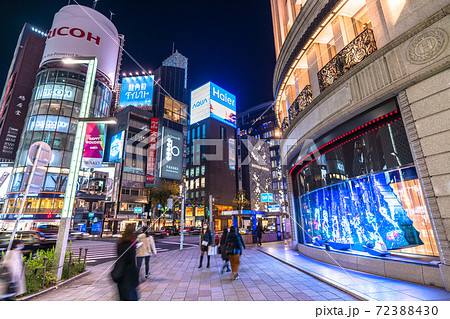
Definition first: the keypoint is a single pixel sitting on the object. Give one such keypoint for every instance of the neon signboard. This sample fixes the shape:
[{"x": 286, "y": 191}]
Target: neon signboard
[{"x": 136, "y": 91}]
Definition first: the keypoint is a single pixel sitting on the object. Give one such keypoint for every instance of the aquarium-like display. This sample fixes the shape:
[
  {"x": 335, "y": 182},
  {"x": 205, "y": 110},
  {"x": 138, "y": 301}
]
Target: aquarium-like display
[{"x": 380, "y": 210}]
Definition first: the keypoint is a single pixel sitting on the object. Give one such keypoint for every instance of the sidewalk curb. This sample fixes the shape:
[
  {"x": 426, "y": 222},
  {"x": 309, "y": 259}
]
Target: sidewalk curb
[
  {"x": 54, "y": 287},
  {"x": 330, "y": 282}
]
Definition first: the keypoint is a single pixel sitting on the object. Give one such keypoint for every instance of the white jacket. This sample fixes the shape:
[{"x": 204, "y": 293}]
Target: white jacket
[
  {"x": 147, "y": 247},
  {"x": 13, "y": 259}
]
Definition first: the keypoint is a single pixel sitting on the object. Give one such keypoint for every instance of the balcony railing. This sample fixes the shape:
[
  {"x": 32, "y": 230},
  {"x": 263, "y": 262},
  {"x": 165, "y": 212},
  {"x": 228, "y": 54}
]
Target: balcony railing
[
  {"x": 284, "y": 124},
  {"x": 361, "y": 47},
  {"x": 303, "y": 99}
]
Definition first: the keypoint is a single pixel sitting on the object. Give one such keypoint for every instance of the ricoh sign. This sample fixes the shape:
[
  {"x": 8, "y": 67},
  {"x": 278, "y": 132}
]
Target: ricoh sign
[{"x": 82, "y": 31}]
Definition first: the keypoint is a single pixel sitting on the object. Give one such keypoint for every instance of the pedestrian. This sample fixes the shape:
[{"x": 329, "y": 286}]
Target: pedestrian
[
  {"x": 234, "y": 244},
  {"x": 206, "y": 241},
  {"x": 13, "y": 262},
  {"x": 146, "y": 246},
  {"x": 223, "y": 251},
  {"x": 125, "y": 272},
  {"x": 259, "y": 231}
]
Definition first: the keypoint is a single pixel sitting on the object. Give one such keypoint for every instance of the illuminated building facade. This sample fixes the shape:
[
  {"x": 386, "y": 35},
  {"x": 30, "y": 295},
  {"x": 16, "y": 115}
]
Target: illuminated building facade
[
  {"x": 360, "y": 90},
  {"x": 54, "y": 108}
]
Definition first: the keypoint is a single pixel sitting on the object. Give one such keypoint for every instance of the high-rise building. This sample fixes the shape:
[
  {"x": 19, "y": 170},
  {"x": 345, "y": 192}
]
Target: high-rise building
[
  {"x": 361, "y": 96},
  {"x": 55, "y": 105},
  {"x": 18, "y": 88},
  {"x": 211, "y": 155}
]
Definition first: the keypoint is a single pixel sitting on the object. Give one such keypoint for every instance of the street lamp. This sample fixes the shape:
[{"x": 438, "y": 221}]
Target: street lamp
[{"x": 77, "y": 153}]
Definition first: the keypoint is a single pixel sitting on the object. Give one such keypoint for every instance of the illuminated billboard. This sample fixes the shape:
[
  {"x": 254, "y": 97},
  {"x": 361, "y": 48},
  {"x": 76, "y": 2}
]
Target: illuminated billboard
[
  {"x": 94, "y": 145},
  {"x": 171, "y": 159},
  {"x": 116, "y": 149},
  {"x": 136, "y": 91},
  {"x": 211, "y": 100}
]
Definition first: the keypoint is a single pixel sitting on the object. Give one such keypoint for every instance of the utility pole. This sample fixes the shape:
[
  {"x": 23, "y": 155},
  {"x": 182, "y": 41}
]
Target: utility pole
[
  {"x": 211, "y": 225},
  {"x": 182, "y": 217}
]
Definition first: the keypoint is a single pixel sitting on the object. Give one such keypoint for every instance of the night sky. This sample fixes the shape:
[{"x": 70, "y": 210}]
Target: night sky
[{"x": 228, "y": 42}]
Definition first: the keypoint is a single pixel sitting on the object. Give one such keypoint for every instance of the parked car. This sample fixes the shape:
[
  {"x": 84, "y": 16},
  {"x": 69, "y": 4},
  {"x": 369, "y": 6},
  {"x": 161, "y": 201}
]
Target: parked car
[
  {"x": 170, "y": 230},
  {"x": 31, "y": 239}
]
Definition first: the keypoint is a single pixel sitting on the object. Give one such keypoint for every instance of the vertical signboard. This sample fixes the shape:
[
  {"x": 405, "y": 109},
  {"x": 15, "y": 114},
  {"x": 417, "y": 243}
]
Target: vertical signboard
[
  {"x": 232, "y": 153},
  {"x": 94, "y": 145},
  {"x": 116, "y": 149},
  {"x": 151, "y": 157},
  {"x": 171, "y": 160}
]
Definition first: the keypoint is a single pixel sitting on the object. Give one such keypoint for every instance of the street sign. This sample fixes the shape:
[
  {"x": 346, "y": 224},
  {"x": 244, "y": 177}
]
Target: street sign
[
  {"x": 138, "y": 210},
  {"x": 274, "y": 208},
  {"x": 45, "y": 154},
  {"x": 266, "y": 197}
]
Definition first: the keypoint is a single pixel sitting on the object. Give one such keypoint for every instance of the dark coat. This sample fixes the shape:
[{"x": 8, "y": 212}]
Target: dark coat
[
  {"x": 259, "y": 231},
  {"x": 128, "y": 283},
  {"x": 223, "y": 247},
  {"x": 207, "y": 236},
  {"x": 237, "y": 242}
]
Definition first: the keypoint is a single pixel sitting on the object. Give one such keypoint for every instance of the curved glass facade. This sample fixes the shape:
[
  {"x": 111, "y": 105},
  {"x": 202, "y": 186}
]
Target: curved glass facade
[
  {"x": 52, "y": 118},
  {"x": 363, "y": 190}
]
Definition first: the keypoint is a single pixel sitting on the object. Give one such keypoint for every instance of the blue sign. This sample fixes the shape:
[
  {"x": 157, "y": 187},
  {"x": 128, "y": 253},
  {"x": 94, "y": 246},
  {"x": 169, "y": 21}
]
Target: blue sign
[
  {"x": 138, "y": 210},
  {"x": 136, "y": 91},
  {"x": 267, "y": 197},
  {"x": 274, "y": 208},
  {"x": 223, "y": 96},
  {"x": 91, "y": 215},
  {"x": 116, "y": 149}
]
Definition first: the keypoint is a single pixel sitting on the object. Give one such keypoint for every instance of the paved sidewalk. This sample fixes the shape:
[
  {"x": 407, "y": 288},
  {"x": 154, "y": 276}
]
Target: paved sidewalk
[
  {"x": 367, "y": 286},
  {"x": 174, "y": 276}
]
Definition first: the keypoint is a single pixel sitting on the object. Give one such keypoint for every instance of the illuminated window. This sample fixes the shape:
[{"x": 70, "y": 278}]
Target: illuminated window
[
  {"x": 197, "y": 171},
  {"x": 197, "y": 183},
  {"x": 203, "y": 169},
  {"x": 203, "y": 182}
]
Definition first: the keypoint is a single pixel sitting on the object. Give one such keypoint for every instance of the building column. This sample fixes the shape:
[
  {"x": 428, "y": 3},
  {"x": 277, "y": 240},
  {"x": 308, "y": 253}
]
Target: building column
[
  {"x": 379, "y": 24},
  {"x": 312, "y": 56}
]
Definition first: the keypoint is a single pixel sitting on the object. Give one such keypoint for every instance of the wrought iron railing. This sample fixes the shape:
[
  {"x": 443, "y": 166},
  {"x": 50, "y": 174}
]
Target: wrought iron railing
[
  {"x": 303, "y": 99},
  {"x": 361, "y": 47},
  {"x": 284, "y": 124}
]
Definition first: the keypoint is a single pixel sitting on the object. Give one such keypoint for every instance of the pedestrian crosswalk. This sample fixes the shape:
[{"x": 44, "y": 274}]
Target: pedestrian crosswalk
[{"x": 97, "y": 251}]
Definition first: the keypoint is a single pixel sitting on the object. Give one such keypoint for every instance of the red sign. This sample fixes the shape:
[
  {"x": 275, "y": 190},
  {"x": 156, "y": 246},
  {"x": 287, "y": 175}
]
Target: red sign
[{"x": 151, "y": 157}]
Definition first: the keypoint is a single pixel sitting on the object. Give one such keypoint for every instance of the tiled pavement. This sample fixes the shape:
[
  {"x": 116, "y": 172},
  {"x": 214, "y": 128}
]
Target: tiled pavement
[
  {"x": 174, "y": 276},
  {"x": 367, "y": 286}
]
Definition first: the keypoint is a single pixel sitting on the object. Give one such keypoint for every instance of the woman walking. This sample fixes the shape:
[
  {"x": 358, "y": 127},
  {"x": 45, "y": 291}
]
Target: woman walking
[
  {"x": 234, "y": 244},
  {"x": 223, "y": 250},
  {"x": 125, "y": 272},
  {"x": 146, "y": 246},
  {"x": 206, "y": 240}
]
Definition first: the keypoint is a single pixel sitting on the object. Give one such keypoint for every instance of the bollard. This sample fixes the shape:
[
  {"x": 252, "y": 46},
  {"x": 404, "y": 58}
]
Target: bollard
[
  {"x": 45, "y": 270},
  {"x": 79, "y": 256},
  {"x": 85, "y": 255},
  {"x": 70, "y": 262}
]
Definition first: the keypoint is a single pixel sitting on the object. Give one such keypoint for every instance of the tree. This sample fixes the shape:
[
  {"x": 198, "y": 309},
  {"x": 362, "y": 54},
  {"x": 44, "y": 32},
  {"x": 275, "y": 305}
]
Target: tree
[
  {"x": 240, "y": 201},
  {"x": 160, "y": 193}
]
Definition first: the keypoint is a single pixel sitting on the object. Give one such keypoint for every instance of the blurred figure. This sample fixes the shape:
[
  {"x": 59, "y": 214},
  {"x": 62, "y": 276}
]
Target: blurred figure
[
  {"x": 13, "y": 261},
  {"x": 128, "y": 280},
  {"x": 206, "y": 240},
  {"x": 146, "y": 246},
  {"x": 223, "y": 251},
  {"x": 259, "y": 231},
  {"x": 234, "y": 244}
]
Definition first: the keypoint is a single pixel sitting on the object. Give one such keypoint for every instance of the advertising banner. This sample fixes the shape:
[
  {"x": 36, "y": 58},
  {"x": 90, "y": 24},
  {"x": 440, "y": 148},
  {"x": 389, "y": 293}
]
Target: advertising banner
[
  {"x": 93, "y": 146},
  {"x": 171, "y": 159},
  {"x": 5, "y": 177},
  {"x": 232, "y": 153},
  {"x": 116, "y": 149},
  {"x": 136, "y": 91},
  {"x": 267, "y": 197},
  {"x": 151, "y": 157},
  {"x": 200, "y": 104},
  {"x": 82, "y": 31}
]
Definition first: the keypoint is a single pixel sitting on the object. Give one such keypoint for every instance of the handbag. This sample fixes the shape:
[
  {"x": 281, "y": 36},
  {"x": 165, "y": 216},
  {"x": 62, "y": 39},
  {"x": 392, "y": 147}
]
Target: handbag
[
  {"x": 118, "y": 272},
  {"x": 212, "y": 250},
  {"x": 205, "y": 243}
]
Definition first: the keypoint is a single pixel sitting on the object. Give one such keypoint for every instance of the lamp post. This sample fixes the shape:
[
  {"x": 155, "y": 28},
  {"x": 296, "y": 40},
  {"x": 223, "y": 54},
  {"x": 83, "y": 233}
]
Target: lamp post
[
  {"x": 77, "y": 153},
  {"x": 182, "y": 216}
]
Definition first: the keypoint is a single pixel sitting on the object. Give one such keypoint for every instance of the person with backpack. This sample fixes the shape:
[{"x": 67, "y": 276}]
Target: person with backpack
[
  {"x": 234, "y": 244},
  {"x": 223, "y": 251},
  {"x": 146, "y": 246},
  {"x": 206, "y": 240}
]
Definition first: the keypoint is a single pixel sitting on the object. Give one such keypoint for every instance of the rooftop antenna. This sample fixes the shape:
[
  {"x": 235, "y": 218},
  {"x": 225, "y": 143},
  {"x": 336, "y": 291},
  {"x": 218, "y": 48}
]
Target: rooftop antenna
[
  {"x": 111, "y": 14},
  {"x": 173, "y": 47},
  {"x": 94, "y": 4},
  {"x": 68, "y": 2}
]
